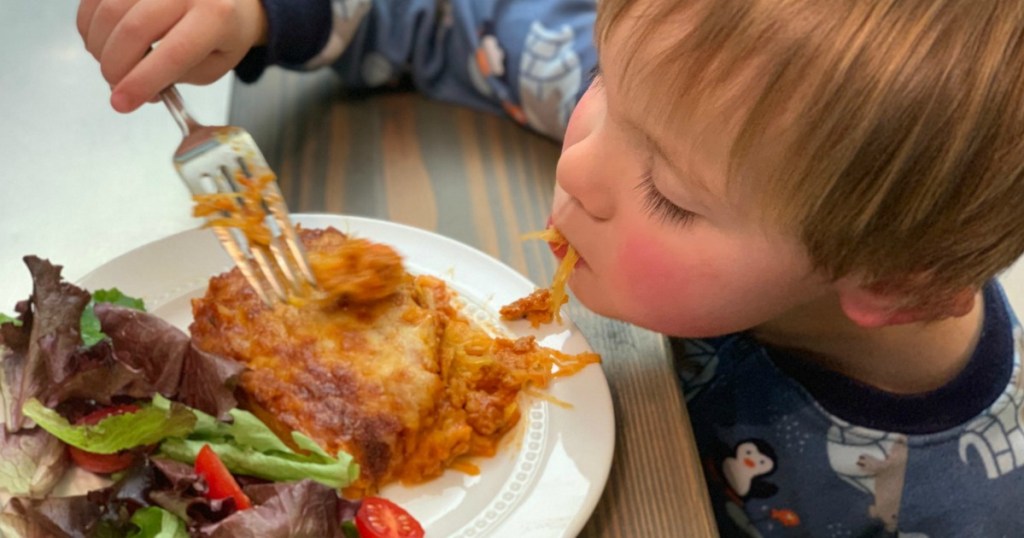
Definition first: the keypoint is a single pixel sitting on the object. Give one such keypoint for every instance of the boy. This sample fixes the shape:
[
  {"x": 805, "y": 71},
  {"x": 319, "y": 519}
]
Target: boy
[{"x": 817, "y": 193}]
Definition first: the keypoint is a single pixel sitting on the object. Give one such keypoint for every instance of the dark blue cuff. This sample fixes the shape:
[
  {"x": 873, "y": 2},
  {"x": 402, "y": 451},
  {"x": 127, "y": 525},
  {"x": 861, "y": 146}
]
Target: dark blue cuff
[{"x": 296, "y": 31}]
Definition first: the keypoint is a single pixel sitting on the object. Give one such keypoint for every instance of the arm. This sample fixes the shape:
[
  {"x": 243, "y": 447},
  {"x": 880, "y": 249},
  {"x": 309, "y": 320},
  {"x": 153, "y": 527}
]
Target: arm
[{"x": 529, "y": 59}]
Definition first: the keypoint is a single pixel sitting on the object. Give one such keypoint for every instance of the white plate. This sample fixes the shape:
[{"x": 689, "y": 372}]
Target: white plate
[{"x": 548, "y": 475}]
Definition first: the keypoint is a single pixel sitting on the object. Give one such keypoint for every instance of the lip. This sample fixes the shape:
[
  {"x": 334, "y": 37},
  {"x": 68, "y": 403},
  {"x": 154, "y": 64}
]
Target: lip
[{"x": 561, "y": 249}]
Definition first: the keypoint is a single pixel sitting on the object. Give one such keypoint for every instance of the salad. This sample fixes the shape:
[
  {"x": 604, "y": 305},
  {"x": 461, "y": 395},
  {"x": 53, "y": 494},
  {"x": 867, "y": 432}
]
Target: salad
[{"x": 91, "y": 380}]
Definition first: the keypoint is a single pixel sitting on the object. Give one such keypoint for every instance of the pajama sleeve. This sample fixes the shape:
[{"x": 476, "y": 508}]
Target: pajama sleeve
[{"x": 528, "y": 59}]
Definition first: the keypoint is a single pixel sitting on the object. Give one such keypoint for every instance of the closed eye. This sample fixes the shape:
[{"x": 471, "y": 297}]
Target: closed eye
[{"x": 656, "y": 205}]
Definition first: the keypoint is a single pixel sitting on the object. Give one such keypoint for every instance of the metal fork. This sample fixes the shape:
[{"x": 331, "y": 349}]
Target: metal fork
[{"x": 214, "y": 159}]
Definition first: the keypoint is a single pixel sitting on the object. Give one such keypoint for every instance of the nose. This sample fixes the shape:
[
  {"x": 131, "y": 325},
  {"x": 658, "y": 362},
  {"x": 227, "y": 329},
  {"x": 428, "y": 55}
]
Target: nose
[
  {"x": 583, "y": 170},
  {"x": 578, "y": 175}
]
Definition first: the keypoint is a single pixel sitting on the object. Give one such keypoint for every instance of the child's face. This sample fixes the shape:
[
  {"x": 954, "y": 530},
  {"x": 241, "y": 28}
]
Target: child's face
[{"x": 659, "y": 247}]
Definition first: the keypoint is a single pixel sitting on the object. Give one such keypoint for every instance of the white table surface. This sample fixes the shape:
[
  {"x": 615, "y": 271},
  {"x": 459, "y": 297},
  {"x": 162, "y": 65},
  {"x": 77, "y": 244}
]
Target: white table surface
[{"x": 82, "y": 183}]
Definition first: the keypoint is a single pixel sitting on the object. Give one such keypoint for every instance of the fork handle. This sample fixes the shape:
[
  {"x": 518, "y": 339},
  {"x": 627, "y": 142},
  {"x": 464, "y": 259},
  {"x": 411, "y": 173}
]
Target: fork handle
[{"x": 176, "y": 105}]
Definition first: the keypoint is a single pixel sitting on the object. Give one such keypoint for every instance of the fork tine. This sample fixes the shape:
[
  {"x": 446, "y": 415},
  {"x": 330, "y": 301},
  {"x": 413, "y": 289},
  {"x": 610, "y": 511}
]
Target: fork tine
[
  {"x": 237, "y": 253},
  {"x": 269, "y": 255},
  {"x": 272, "y": 202},
  {"x": 256, "y": 262},
  {"x": 286, "y": 264},
  {"x": 270, "y": 275},
  {"x": 278, "y": 263},
  {"x": 275, "y": 203}
]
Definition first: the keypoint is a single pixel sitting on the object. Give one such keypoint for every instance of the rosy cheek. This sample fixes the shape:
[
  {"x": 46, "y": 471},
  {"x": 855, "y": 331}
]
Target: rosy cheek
[
  {"x": 665, "y": 290},
  {"x": 648, "y": 270}
]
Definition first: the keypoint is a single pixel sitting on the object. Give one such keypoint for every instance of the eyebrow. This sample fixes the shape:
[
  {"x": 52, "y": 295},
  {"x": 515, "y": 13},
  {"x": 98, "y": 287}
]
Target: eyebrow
[{"x": 688, "y": 175}]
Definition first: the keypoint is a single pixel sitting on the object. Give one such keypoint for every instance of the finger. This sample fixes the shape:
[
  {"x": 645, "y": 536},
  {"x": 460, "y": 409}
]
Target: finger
[
  {"x": 211, "y": 69},
  {"x": 144, "y": 24},
  {"x": 84, "y": 17},
  {"x": 104, "y": 19},
  {"x": 184, "y": 47}
]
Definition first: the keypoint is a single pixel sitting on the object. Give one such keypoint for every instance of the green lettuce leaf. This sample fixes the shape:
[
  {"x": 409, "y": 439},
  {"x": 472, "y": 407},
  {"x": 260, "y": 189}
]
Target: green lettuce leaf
[
  {"x": 247, "y": 446},
  {"x": 155, "y": 522},
  {"x": 349, "y": 529},
  {"x": 4, "y": 318},
  {"x": 91, "y": 332},
  {"x": 337, "y": 472},
  {"x": 149, "y": 425}
]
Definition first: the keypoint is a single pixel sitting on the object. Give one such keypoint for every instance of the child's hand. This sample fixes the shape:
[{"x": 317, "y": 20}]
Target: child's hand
[{"x": 199, "y": 41}]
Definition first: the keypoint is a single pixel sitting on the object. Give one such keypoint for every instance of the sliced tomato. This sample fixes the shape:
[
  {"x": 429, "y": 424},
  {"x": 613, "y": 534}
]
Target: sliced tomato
[
  {"x": 381, "y": 518},
  {"x": 103, "y": 463},
  {"x": 219, "y": 480}
]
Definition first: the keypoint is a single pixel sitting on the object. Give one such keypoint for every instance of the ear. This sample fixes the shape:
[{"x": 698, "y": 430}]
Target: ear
[{"x": 881, "y": 306}]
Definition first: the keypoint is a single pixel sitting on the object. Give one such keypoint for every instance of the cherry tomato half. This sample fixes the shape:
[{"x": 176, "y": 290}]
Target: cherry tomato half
[
  {"x": 103, "y": 463},
  {"x": 381, "y": 518},
  {"x": 219, "y": 479}
]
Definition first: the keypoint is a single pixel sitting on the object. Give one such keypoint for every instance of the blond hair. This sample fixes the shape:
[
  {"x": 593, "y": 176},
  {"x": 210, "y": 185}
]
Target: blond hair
[{"x": 902, "y": 121}]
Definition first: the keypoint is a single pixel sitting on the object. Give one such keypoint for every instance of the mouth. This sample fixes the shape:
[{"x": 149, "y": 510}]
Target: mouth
[{"x": 560, "y": 250}]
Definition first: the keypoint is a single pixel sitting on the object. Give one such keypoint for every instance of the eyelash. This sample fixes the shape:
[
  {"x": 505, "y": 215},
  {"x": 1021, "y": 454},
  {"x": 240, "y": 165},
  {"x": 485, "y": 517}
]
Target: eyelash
[{"x": 658, "y": 206}]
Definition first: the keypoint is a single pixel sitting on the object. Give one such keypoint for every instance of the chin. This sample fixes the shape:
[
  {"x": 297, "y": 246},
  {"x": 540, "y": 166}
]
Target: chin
[
  {"x": 667, "y": 323},
  {"x": 591, "y": 297},
  {"x": 596, "y": 297},
  {"x": 674, "y": 331}
]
